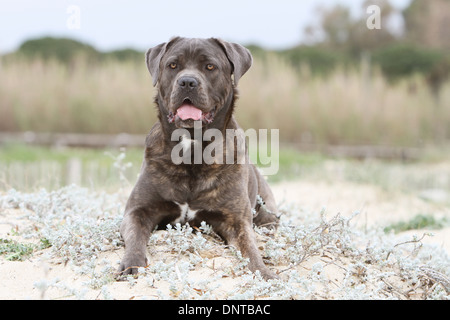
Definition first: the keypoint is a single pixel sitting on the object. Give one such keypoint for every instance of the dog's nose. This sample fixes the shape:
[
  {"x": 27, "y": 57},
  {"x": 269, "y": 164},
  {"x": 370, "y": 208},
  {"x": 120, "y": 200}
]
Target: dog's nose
[{"x": 187, "y": 82}]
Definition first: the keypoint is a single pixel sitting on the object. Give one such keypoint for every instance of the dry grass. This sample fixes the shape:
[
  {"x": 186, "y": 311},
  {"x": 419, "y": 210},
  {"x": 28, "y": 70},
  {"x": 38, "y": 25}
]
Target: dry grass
[
  {"x": 348, "y": 106},
  {"x": 114, "y": 97}
]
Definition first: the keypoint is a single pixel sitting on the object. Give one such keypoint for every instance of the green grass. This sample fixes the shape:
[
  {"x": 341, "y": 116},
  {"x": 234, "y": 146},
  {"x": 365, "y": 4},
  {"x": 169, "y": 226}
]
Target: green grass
[
  {"x": 292, "y": 163},
  {"x": 28, "y": 153},
  {"x": 17, "y": 251},
  {"x": 25, "y": 167},
  {"x": 31, "y": 167},
  {"x": 14, "y": 251},
  {"x": 420, "y": 221}
]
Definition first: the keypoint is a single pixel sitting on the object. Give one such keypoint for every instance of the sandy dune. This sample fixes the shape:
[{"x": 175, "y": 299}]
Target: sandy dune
[{"x": 213, "y": 271}]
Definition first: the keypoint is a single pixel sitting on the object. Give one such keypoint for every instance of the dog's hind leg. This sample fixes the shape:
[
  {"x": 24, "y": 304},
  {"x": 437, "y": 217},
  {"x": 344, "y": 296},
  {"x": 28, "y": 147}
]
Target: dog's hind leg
[{"x": 266, "y": 211}]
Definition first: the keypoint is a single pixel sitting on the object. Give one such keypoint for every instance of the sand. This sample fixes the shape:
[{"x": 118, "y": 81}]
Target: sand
[{"x": 24, "y": 279}]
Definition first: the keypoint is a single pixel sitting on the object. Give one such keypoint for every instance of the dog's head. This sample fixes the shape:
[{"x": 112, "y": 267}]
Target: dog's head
[{"x": 194, "y": 77}]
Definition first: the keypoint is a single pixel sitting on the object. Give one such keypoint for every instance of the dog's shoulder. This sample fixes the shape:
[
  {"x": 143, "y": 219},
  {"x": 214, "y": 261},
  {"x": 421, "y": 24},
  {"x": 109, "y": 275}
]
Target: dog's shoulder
[
  {"x": 154, "y": 142},
  {"x": 155, "y": 135}
]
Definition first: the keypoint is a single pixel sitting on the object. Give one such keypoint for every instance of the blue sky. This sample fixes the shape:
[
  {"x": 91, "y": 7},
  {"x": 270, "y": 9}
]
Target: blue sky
[{"x": 141, "y": 24}]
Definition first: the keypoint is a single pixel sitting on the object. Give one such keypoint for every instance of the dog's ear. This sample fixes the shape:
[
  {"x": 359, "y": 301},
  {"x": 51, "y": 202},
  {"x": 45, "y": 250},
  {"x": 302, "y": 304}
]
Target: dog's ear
[
  {"x": 153, "y": 58},
  {"x": 239, "y": 56}
]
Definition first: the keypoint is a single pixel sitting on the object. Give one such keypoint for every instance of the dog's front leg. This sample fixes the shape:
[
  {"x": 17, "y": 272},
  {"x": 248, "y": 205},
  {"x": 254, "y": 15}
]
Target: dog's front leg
[
  {"x": 135, "y": 229},
  {"x": 139, "y": 220}
]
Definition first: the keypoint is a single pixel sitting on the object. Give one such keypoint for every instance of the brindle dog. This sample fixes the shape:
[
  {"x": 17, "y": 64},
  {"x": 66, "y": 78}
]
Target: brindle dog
[{"x": 195, "y": 83}]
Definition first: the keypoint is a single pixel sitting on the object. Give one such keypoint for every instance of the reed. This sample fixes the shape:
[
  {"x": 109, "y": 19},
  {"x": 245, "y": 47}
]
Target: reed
[{"x": 349, "y": 106}]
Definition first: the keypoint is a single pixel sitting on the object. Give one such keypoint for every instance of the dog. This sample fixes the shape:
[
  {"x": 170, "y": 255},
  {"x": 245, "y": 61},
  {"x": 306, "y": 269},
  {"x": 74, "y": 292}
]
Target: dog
[{"x": 196, "y": 82}]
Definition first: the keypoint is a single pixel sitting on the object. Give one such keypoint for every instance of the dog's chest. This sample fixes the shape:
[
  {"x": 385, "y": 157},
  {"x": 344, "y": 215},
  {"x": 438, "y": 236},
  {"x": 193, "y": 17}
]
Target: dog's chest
[{"x": 186, "y": 213}]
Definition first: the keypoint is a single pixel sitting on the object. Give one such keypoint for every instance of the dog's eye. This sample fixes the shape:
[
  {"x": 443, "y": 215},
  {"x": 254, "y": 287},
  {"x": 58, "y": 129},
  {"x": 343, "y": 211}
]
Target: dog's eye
[
  {"x": 173, "y": 65},
  {"x": 210, "y": 67}
]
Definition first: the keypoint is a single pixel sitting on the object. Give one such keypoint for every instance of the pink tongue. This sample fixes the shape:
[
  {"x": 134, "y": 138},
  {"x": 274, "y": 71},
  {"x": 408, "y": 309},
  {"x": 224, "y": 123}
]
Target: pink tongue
[{"x": 189, "y": 112}]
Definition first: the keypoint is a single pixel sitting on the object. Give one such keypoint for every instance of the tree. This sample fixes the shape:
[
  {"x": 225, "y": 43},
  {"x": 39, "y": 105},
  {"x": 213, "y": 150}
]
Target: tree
[
  {"x": 341, "y": 31},
  {"x": 427, "y": 23},
  {"x": 362, "y": 39},
  {"x": 62, "y": 49}
]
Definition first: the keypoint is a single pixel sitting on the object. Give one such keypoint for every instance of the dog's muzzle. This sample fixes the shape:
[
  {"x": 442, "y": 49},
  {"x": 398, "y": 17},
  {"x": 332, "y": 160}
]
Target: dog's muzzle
[{"x": 187, "y": 111}]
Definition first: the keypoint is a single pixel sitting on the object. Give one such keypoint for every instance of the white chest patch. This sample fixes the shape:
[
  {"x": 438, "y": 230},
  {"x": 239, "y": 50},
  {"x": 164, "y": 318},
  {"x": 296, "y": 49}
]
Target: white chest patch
[
  {"x": 186, "y": 143},
  {"x": 186, "y": 214}
]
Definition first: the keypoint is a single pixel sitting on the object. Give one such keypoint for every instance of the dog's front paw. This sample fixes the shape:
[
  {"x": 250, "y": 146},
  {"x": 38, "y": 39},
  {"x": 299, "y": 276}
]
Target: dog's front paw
[
  {"x": 266, "y": 219},
  {"x": 130, "y": 265},
  {"x": 267, "y": 274}
]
